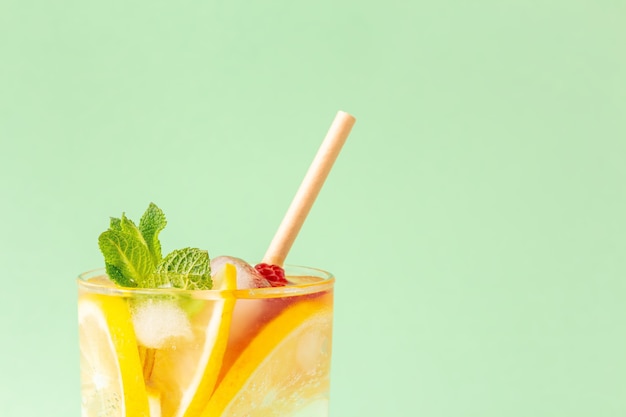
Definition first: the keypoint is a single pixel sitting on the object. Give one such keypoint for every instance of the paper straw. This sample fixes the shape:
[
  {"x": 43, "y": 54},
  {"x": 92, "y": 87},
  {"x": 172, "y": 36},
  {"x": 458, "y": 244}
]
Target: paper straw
[{"x": 309, "y": 189}]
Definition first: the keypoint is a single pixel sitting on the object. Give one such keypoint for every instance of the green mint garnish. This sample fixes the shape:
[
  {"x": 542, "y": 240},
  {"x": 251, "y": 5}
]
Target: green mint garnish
[
  {"x": 126, "y": 254},
  {"x": 150, "y": 225},
  {"x": 188, "y": 268},
  {"x": 132, "y": 256}
]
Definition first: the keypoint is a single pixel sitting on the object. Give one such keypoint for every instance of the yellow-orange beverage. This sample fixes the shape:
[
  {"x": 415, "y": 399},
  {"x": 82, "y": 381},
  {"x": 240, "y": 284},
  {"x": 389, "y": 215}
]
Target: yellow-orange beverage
[{"x": 232, "y": 351}]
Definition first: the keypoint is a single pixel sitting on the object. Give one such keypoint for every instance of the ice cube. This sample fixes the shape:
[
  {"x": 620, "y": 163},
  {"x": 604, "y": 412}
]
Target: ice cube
[
  {"x": 160, "y": 323},
  {"x": 247, "y": 276},
  {"x": 247, "y": 313}
]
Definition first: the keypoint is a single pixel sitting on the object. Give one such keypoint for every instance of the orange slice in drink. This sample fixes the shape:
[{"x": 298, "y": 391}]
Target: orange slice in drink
[
  {"x": 111, "y": 381},
  {"x": 284, "y": 371},
  {"x": 185, "y": 374}
]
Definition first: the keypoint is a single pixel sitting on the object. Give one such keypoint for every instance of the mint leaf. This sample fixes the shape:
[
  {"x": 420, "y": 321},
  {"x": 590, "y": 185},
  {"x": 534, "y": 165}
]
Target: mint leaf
[
  {"x": 127, "y": 258},
  {"x": 116, "y": 275},
  {"x": 188, "y": 268},
  {"x": 133, "y": 258},
  {"x": 150, "y": 225},
  {"x": 128, "y": 227},
  {"x": 116, "y": 224}
]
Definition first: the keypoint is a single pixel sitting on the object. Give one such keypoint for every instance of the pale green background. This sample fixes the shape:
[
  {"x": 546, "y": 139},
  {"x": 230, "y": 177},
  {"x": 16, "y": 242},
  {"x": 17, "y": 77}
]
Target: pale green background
[{"x": 476, "y": 219}]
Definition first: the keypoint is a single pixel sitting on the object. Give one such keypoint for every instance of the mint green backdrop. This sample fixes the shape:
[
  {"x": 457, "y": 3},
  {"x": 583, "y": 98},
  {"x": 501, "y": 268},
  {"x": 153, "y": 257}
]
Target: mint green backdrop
[{"x": 476, "y": 218}]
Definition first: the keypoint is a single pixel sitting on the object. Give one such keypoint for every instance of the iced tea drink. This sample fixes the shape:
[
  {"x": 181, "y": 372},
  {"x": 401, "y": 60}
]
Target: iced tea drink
[
  {"x": 243, "y": 348},
  {"x": 184, "y": 335}
]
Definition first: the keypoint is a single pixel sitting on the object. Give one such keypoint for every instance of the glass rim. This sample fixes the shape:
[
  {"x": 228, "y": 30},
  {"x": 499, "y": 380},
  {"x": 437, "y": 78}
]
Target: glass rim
[{"x": 326, "y": 283}]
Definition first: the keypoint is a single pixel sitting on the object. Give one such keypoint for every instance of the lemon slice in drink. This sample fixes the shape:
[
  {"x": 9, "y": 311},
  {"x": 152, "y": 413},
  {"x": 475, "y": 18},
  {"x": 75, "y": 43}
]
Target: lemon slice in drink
[
  {"x": 111, "y": 375},
  {"x": 185, "y": 373},
  {"x": 283, "y": 371}
]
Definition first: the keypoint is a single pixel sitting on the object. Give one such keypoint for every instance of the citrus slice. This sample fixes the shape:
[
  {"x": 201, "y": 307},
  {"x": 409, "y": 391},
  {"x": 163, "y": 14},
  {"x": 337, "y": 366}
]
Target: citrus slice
[
  {"x": 283, "y": 371},
  {"x": 185, "y": 373},
  {"x": 154, "y": 403},
  {"x": 111, "y": 373}
]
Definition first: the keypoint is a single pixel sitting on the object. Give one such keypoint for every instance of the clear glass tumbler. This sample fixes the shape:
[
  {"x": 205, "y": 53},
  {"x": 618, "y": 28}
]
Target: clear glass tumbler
[{"x": 212, "y": 353}]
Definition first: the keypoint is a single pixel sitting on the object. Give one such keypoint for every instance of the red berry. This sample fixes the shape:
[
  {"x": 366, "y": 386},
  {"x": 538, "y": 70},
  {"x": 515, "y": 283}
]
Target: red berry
[{"x": 274, "y": 274}]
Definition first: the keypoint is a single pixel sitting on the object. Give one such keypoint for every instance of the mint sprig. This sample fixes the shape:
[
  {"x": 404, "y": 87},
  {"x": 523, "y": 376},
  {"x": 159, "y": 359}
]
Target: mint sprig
[{"x": 132, "y": 255}]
